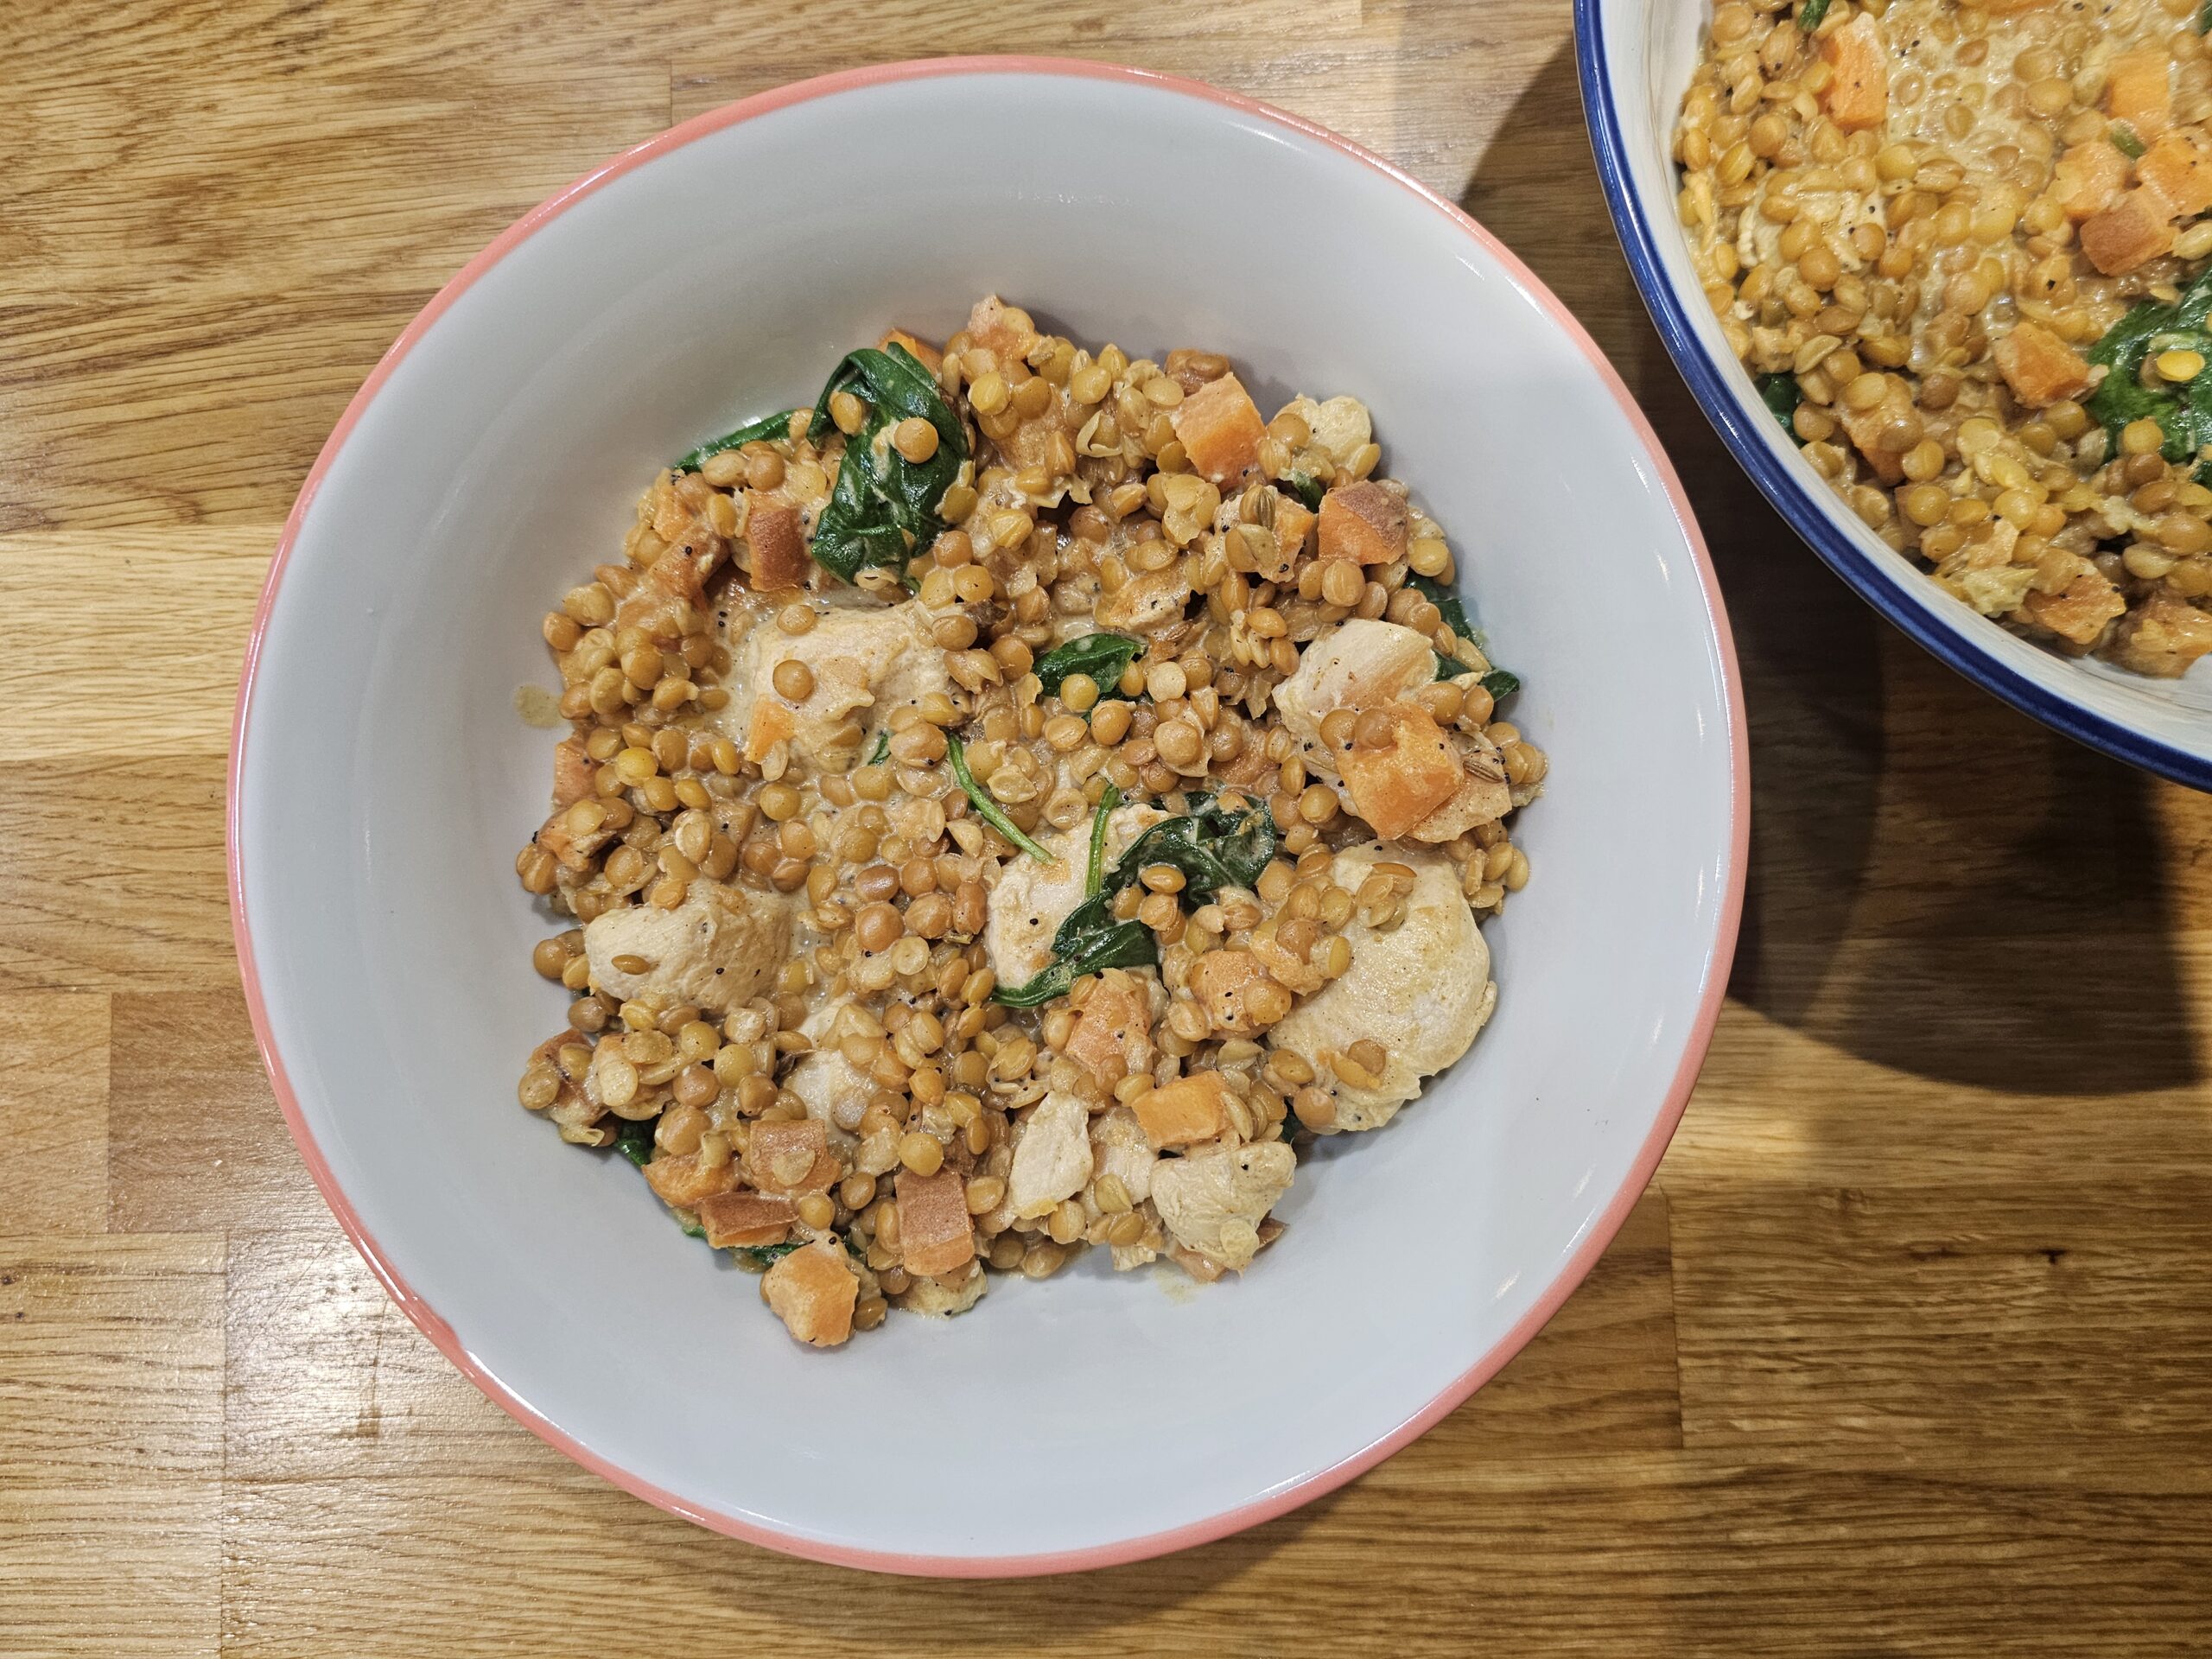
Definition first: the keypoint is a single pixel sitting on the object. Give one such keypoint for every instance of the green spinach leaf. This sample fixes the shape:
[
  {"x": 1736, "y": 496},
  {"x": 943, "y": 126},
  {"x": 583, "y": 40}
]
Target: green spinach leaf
[
  {"x": 771, "y": 428},
  {"x": 1310, "y": 489},
  {"x": 1089, "y": 942},
  {"x": 692, "y": 1228},
  {"x": 881, "y": 751},
  {"x": 884, "y": 507},
  {"x": 985, "y": 808},
  {"x": 1780, "y": 394},
  {"x": 1454, "y": 610},
  {"x": 761, "y": 1255},
  {"x": 1809, "y": 14},
  {"x": 2124, "y": 140},
  {"x": 635, "y": 1142},
  {"x": 1501, "y": 683},
  {"x": 2183, "y": 412},
  {"x": 1212, "y": 846},
  {"x": 1102, "y": 656}
]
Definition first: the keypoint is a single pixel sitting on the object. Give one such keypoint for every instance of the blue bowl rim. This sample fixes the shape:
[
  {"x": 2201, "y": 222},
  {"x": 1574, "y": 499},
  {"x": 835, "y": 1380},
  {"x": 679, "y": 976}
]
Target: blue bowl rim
[{"x": 1790, "y": 495}]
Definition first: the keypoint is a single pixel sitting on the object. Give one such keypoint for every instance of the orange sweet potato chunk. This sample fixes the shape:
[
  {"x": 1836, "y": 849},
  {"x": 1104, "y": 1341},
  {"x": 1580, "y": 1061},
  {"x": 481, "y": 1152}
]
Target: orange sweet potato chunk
[
  {"x": 2039, "y": 366},
  {"x": 2140, "y": 91},
  {"x": 1220, "y": 427},
  {"x": 1112, "y": 1035},
  {"x": 1394, "y": 788},
  {"x": 684, "y": 1182},
  {"x": 779, "y": 549},
  {"x": 1294, "y": 524},
  {"x": 929, "y": 357},
  {"x": 1228, "y": 982},
  {"x": 1363, "y": 522},
  {"x": 790, "y": 1157},
  {"x": 935, "y": 1235},
  {"x": 813, "y": 1292},
  {"x": 2079, "y": 612},
  {"x": 754, "y": 1218},
  {"x": 2133, "y": 230},
  {"x": 2089, "y": 178},
  {"x": 2179, "y": 169},
  {"x": 574, "y": 774},
  {"x": 1187, "y": 1110},
  {"x": 1858, "y": 93}
]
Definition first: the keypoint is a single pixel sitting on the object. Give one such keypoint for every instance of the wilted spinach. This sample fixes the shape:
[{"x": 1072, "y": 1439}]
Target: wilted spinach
[
  {"x": 884, "y": 507},
  {"x": 1212, "y": 846},
  {"x": 635, "y": 1142},
  {"x": 1102, "y": 656},
  {"x": 2124, "y": 140},
  {"x": 768, "y": 428},
  {"x": 1809, "y": 14},
  {"x": 1310, "y": 489},
  {"x": 985, "y": 808},
  {"x": 1780, "y": 394},
  {"x": 761, "y": 1255},
  {"x": 2183, "y": 412},
  {"x": 1500, "y": 682}
]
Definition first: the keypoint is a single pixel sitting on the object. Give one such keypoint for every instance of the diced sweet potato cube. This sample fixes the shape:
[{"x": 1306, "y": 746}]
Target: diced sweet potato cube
[
  {"x": 2140, "y": 91},
  {"x": 779, "y": 559},
  {"x": 1185, "y": 1111},
  {"x": 1220, "y": 428},
  {"x": 1112, "y": 1035},
  {"x": 2079, "y": 612},
  {"x": 753, "y": 1218},
  {"x": 2039, "y": 366},
  {"x": 1364, "y": 522},
  {"x": 929, "y": 357},
  {"x": 685, "y": 1182},
  {"x": 790, "y": 1157},
  {"x": 2089, "y": 178},
  {"x": 813, "y": 1291},
  {"x": 936, "y": 1234},
  {"x": 2179, "y": 169},
  {"x": 1858, "y": 93},
  {"x": 574, "y": 773},
  {"x": 2131, "y": 231},
  {"x": 1394, "y": 788},
  {"x": 1235, "y": 987}
]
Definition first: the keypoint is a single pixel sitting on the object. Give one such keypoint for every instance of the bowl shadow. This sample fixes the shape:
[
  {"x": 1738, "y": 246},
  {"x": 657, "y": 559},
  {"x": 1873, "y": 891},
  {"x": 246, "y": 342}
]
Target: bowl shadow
[{"x": 1913, "y": 839}]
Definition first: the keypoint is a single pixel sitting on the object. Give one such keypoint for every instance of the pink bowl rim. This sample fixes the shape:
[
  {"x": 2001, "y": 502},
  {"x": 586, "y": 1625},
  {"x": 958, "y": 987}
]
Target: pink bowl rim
[{"x": 1274, "y": 1503}]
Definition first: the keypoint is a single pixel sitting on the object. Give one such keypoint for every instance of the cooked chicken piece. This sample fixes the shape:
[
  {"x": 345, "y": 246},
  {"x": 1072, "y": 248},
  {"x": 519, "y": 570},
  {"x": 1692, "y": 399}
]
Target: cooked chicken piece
[
  {"x": 1359, "y": 664},
  {"x": 1053, "y": 1158},
  {"x": 865, "y": 659},
  {"x": 1120, "y": 1148},
  {"x": 1340, "y": 427},
  {"x": 1213, "y": 1202},
  {"x": 831, "y": 1088},
  {"x": 1422, "y": 990},
  {"x": 720, "y": 947},
  {"x": 955, "y": 1293},
  {"x": 1032, "y": 900}
]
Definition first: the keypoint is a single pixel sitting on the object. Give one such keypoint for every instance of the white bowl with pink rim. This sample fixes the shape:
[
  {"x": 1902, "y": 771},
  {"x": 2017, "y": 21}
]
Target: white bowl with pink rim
[{"x": 381, "y": 782}]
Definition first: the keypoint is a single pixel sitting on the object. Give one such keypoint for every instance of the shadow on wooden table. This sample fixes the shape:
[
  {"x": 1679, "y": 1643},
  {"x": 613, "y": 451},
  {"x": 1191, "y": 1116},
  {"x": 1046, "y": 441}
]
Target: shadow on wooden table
[{"x": 1937, "y": 884}]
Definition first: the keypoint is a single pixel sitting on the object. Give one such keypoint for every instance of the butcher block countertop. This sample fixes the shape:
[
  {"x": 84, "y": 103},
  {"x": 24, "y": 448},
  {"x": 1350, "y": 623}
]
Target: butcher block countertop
[{"x": 1907, "y": 1350}]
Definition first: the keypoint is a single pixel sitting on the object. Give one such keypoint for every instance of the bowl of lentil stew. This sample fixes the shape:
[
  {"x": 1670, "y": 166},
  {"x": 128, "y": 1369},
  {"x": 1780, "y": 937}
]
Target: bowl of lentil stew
[
  {"x": 382, "y": 778},
  {"x": 1894, "y": 249}
]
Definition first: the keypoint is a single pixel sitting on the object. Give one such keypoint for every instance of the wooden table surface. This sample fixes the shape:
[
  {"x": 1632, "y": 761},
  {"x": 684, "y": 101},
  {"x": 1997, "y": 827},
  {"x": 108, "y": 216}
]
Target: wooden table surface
[{"x": 1907, "y": 1350}]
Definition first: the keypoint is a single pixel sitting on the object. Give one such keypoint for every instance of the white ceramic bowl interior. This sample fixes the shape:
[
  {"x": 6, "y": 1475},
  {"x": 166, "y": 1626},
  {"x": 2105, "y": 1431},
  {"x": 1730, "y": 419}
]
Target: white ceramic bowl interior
[
  {"x": 386, "y": 783},
  {"x": 1636, "y": 57}
]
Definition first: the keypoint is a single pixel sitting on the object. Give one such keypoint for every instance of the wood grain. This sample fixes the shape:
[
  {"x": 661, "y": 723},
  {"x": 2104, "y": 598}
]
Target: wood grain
[{"x": 1907, "y": 1352}]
